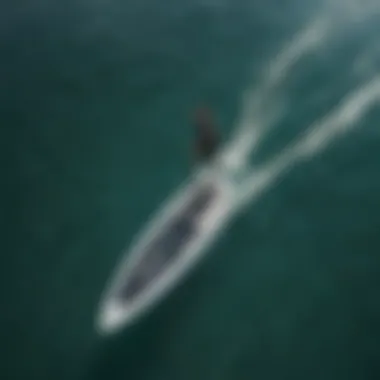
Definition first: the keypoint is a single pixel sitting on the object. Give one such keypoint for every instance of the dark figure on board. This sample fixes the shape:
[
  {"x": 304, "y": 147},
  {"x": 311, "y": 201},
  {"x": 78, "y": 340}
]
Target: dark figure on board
[{"x": 207, "y": 136}]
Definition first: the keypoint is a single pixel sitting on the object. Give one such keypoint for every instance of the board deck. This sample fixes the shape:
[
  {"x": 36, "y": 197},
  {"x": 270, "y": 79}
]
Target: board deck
[{"x": 166, "y": 250}]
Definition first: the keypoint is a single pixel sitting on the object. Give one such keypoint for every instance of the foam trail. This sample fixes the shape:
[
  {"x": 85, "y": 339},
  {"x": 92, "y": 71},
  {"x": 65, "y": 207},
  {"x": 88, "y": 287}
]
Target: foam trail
[
  {"x": 317, "y": 138},
  {"x": 303, "y": 43},
  {"x": 255, "y": 119}
]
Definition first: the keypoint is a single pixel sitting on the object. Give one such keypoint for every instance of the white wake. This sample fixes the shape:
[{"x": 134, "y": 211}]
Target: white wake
[
  {"x": 317, "y": 137},
  {"x": 263, "y": 104}
]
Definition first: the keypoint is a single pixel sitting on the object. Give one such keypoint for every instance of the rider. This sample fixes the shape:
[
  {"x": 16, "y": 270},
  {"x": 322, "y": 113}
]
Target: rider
[{"x": 207, "y": 136}]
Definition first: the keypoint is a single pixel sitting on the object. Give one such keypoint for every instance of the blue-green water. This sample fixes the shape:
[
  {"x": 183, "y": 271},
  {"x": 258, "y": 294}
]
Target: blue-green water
[{"x": 96, "y": 106}]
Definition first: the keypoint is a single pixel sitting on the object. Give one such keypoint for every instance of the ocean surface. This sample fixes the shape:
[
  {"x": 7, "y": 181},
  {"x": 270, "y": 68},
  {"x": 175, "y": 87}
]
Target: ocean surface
[{"x": 96, "y": 106}]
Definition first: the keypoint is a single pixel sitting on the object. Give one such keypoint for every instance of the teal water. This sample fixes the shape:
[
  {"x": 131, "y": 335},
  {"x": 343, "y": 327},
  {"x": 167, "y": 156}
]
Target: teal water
[{"x": 96, "y": 104}]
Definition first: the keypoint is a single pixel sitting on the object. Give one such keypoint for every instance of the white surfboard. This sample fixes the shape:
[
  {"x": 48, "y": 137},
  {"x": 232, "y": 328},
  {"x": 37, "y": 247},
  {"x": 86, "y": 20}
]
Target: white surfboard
[{"x": 167, "y": 249}]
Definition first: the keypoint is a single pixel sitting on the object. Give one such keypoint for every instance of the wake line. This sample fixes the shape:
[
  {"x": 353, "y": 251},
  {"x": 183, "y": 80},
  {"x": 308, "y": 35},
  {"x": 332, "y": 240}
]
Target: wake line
[
  {"x": 318, "y": 137},
  {"x": 304, "y": 42},
  {"x": 255, "y": 119}
]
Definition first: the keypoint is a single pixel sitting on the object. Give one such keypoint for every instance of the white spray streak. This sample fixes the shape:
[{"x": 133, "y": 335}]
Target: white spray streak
[
  {"x": 304, "y": 43},
  {"x": 346, "y": 117},
  {"x": 255, "y": 121},
  {"x": 318, "y": 137}
]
